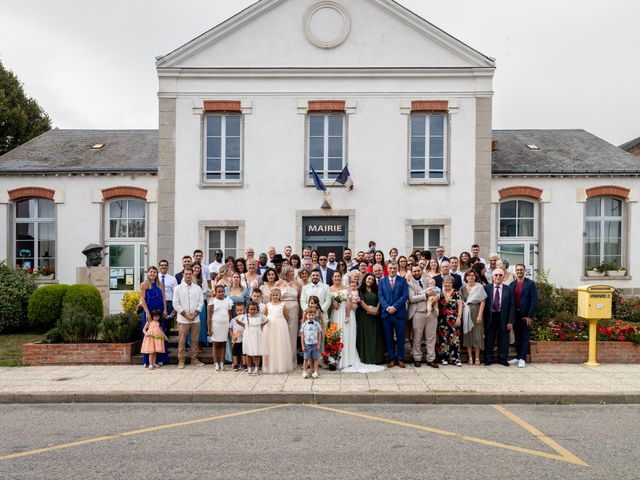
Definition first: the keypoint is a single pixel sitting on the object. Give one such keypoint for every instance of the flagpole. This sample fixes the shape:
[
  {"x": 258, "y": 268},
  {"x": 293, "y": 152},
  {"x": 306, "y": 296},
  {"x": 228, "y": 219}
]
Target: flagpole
[{"x": 336, "y": 179}]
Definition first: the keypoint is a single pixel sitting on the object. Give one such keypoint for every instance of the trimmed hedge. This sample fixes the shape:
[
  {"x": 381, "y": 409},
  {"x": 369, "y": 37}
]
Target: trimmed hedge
[
  {"x": 121, "y": 328},
  {"x": 76, "y": 325},
  {"x": 87, "y": 298},
  {"x": 16, "y": 286},
  {"x": 45, "y": 306}
]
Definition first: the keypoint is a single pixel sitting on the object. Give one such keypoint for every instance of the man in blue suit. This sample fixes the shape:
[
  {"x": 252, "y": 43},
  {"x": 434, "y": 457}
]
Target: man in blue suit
[
  {"x": 525, "y": 296},
  {"x": 499, "y": 317},
  {"x": 393, "y": 292}
]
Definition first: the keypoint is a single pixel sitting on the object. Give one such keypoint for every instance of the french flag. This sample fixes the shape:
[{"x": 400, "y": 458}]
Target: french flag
[{"x": 345, "y": 178}]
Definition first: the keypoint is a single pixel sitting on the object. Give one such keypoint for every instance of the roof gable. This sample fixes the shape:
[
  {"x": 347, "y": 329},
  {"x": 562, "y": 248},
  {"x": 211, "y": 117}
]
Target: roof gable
[{"x": 281, "y": 33}]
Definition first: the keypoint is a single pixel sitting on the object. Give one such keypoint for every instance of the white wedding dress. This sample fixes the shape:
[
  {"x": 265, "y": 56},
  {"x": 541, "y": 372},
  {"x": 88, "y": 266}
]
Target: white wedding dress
[{"x": 350, "y": 360}]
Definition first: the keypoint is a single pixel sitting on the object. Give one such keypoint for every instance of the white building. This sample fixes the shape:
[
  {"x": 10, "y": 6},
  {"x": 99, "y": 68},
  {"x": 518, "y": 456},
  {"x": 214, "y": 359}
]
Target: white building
[{"x": 247, "y": 108}]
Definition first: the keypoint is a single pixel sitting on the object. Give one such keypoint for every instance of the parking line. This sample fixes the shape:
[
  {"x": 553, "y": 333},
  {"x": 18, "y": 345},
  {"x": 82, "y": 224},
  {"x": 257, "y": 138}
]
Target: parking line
[
  {"x": 563, "y": 458},
  {"x": 540, "y": 436},
  {"x": 140, "y": 431}
]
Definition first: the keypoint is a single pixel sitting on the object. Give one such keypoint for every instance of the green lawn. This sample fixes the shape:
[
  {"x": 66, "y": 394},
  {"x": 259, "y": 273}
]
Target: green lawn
[{"x": 11, "y": 347}]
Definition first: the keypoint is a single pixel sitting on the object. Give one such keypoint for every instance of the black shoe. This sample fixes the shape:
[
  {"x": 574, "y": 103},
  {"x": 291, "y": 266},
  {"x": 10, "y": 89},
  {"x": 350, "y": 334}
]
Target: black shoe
[
  {"x": 505, "y": 363},
  {"x": 433, "y": 364},
  {"x": 417, "y": 364},
  {"x": 236, "y": 368},
  {"x": 489, "y": 362}
]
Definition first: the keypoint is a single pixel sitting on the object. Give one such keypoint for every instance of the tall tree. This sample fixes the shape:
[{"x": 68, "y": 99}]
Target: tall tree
[{"x": 21, "y": 118}]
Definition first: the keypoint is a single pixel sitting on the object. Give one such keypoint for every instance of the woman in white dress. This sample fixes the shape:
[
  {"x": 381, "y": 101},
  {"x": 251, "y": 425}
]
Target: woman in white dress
[
  {"x": 277, "y": 356},
  {"x": 343, "y": 314},
  {"x": 291, "y": 298}
]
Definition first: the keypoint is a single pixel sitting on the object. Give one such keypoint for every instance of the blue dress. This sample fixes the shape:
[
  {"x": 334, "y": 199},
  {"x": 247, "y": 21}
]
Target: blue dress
[{"x": 153, "y": 299}]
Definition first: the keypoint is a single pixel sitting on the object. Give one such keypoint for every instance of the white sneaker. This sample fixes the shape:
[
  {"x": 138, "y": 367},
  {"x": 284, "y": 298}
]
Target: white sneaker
[
  {"x": 305, "y": 374},
  {"x": 513, "y": 361},
  {"x": 521, "y": 363},
  {"x": 248, "y": 371},
  {"x": 255, "y": 371},
  {"x": 216, "y": 367},
  {"x": 314, "y": 375},
  {"x": 222, "y": 367}
]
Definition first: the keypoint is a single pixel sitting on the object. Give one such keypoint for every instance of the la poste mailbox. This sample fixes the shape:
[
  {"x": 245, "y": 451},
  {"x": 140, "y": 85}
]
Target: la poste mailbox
[{"x": 594, "y": 301}]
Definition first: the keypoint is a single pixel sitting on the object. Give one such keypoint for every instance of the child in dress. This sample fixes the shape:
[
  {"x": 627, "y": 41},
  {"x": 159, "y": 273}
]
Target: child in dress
[
  {"x": 256, "y": 296},
  {"x": 154, "y": 339},
  {"x": 236, "y": 331},
  {"x": 218, "y": 318},
  {"x": 253, "y": 339},
  {"x": 432, "y": 302},
  {"x": 310, "y": 338},
  {"x": 353, "y": 297},
  {"x": 278, "y": 356}
]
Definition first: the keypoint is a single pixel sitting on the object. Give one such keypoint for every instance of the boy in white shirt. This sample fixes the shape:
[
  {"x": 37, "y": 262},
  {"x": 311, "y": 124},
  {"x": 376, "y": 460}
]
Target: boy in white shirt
[{"x": 310, "y": 337}]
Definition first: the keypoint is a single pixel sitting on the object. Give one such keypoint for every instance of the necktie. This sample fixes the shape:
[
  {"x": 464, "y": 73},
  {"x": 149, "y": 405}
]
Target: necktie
[
  {"x": 162, "y": 280},
  {"x": 496, "y": 299},
  {"x": 393, "y": 281},
  {"x": 420, "y": 283}
]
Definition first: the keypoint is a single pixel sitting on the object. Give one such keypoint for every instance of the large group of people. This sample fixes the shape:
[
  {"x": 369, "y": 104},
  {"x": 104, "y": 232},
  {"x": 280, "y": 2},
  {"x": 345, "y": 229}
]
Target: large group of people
[{"x": 259, "y": 313}]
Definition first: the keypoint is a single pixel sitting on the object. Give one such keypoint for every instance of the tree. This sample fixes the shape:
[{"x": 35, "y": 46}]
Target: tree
[{"x": 21, "y": 118}]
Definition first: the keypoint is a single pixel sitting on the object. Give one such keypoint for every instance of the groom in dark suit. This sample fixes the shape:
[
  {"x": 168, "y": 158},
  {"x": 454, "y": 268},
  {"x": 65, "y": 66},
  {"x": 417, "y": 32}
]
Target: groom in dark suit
[
  {"x": 393, "y": 292},
  {"x": 499, "y": 317}
]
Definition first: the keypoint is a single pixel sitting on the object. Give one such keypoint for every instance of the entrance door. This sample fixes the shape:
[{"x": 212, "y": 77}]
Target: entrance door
[
  {"x": 326, "y": 234},
  {"x": 518, "y": 237},
  {"x": 127, "y": 265}
]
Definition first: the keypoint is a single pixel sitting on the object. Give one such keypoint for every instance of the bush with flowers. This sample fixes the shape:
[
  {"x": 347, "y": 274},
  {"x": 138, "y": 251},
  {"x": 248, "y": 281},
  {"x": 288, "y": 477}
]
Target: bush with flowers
[
  {"x": 333, "y": 344},
  {"x": 619, "y": 332}
]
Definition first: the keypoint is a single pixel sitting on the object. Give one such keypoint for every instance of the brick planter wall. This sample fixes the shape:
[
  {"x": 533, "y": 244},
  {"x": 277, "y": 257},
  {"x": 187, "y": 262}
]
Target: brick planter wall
[
  {"x": 78, "y": 353},
  {"x": 578, "y": 352}
]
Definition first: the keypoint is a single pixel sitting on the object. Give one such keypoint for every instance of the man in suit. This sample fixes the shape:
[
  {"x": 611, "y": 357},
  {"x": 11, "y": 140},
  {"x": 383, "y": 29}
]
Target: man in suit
[
  {"x": 325, "y": 272},
  {"x": 393, "y": 292},
  {"x": 378, "y": 272},
  {"x": 317, "y": 288},
  {"x": 440, "y": 256},
  {"x": 445, "y": 269},
  {"x": 424, "y": 323},
  {"x": 186, "y": 262},
  {"x": 525, "y": 296},
  {"x": 499, "y": 317}
]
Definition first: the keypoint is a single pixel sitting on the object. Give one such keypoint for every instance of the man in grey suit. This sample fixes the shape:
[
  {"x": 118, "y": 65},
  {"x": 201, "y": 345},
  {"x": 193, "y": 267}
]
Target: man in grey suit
[
  {"x": 317, "y": 288},
  {"x": 424, "y": 323}
]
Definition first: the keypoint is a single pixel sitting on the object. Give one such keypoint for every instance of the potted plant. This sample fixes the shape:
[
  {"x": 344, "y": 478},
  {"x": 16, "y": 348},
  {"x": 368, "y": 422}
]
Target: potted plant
[
  {"x": 45, "y": 273},
  {"x": 596, "y": 272},
  {"x": 614, "y": 270},
  {"x": 333, "y": 346}
]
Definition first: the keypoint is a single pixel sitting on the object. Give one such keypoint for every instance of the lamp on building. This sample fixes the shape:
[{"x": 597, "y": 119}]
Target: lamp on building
[{"x": 326, "y": 201}]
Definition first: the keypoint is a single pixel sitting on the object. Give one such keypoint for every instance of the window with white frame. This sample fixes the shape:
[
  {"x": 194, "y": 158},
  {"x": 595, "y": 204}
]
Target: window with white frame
[
  {"x": 222, "y": 148},
  {"x": 325, "y": 145},
  {"x": 127, "y": 218},
  {"x": 603, "y": 225},
  {"x": 34, "y": 228},
  {"x": 428, "y": 147},
  {"x": 517, "y": 218},
  {"x": 427, "y": 238},
  {"x": 225, "y": 239}
]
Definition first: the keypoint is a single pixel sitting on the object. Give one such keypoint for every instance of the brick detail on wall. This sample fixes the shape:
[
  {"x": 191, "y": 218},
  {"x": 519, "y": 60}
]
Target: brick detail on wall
[
  {"x": 430, "y": 106},
  {"x": 31, "y": 192},
  {"x": 113, "y": 192},
  {"x": 77, "y": 353},
  {"x": 326, "y": 106},
  {"x": 222, "y": 106},
  {"x": 531, "y": 192},
  {"x": 608, "y": 191},
  {"x": 578, "y": 352}
]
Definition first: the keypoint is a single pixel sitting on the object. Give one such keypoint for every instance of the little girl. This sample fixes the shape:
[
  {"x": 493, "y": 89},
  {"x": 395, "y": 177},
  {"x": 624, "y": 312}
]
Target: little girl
[
  {"x": 277, "y": 357},
  {"x": 154, "y": 339},
  {"x": 218, "y": 318},
  {"x": 253, "y": 339},
  {"x": 314, "y": 302},
  {"x": 353, "y": 298}
]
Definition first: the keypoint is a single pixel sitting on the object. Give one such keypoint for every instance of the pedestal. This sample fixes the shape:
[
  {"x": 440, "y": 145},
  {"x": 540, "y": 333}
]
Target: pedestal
[{"x": 98, "y": 277}]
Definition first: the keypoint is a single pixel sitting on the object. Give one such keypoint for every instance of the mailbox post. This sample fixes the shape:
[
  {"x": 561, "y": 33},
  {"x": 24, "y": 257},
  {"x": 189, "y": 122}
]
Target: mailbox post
[{"x": 594, "y": 303}]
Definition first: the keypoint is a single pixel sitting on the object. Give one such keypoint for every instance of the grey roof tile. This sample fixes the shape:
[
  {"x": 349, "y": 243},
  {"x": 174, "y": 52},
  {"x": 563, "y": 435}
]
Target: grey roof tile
[
  {"x": 560, "y": 152},
  {"x": 630, "y": 144},
  {"x": 69, "y": 151}
]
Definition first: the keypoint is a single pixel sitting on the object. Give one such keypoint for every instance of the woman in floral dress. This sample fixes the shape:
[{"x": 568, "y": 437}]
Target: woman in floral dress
[{"x": 449, "y": 321}]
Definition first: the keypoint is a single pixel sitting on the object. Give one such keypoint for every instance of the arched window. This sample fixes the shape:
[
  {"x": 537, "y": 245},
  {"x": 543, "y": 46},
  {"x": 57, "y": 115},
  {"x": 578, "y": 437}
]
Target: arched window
[
  {"x": 603, "y": 225},
  {"x": 34, "y": 228},
  {"x": 127, "y": 218}
]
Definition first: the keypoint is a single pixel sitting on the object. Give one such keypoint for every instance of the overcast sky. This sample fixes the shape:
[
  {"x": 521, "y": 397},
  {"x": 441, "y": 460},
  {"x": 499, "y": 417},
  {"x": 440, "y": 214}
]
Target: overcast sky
[{"x": 560, "y": 63}]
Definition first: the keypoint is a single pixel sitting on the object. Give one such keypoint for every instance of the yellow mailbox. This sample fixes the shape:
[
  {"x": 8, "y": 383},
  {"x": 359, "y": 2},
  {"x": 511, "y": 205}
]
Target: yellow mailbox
[{"x": 594, "y": 301}]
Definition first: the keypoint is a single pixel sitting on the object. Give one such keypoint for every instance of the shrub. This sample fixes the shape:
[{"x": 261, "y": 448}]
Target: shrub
[
  {"x": 121, "y": 328},
  {"x": 53, "y": 336},
  {"x": 16, "y": 286},
  {"x": 626, "y": 308},
  {"x": 87, "y": 297},
  {"x": 45, "y": 306},
  {"x": 76, "y": 325},
  {"x": 565, "y": 300},
  {"x": 130, "y": 301}
]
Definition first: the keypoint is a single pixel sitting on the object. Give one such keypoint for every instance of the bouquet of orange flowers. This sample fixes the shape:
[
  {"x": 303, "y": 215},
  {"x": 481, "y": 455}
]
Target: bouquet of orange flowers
[{"x": 333, "y": 344}]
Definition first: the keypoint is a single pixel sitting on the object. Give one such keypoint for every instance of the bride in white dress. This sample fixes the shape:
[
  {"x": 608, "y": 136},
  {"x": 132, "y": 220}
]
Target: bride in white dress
[{"x": 343, "y": 314}]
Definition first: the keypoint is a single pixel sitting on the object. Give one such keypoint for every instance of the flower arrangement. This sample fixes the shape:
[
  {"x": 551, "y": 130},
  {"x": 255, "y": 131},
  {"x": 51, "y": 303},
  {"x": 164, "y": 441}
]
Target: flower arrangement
[
  {"x": 569, "y": 331},
  {"x": 45, "y": 271},
  {"x": 333, "y": 344},
  {"x": 619, "y": 332},
  {"x": 339, "y": 296}
]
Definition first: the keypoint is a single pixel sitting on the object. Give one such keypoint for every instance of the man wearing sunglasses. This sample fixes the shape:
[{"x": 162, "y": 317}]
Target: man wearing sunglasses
[
  {"x": 326, "y": 273},
  {"x": 499, "y": 317}
]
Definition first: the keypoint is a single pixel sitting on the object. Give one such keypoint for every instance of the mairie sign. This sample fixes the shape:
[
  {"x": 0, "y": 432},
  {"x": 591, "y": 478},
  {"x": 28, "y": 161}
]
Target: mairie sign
[{"x": 325, "y": 227}]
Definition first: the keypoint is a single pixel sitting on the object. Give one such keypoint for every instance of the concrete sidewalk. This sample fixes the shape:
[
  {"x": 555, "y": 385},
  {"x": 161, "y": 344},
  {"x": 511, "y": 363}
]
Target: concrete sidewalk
[{"x": 539, "y": 383}]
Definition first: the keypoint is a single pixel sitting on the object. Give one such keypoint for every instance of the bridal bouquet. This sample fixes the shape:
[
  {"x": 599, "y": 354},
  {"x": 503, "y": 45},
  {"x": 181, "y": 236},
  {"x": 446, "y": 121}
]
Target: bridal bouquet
[
  {"x": 333, "y": 344},
  {"x": 339, "y": 297}
]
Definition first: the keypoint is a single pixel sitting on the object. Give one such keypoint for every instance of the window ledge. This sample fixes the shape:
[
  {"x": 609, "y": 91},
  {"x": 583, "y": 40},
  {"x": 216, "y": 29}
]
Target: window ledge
[
  {"x": 429, "y": 183},
  {"x": 205, "y": 185},
  {"x": 605, "y": 278},
  {"x": 327, "y": 183}
]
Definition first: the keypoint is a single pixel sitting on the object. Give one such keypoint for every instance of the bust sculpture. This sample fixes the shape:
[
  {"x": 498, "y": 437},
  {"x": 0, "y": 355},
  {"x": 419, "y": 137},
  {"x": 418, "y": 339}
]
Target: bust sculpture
[{"x": 93, "y": 253}]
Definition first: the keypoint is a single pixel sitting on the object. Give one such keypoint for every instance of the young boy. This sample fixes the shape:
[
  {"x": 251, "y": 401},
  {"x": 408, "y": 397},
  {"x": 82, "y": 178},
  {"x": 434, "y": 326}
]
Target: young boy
[
  {"x": 236, "y": 331},
  {"x": 310, "y": 337},
  {"x": 256, "y": 296}
]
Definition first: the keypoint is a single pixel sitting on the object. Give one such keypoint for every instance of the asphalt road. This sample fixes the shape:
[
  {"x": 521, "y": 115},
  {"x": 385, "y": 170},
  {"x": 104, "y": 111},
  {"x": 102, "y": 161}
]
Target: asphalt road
[{"x": 152, "y": 441}]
